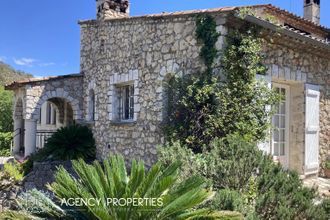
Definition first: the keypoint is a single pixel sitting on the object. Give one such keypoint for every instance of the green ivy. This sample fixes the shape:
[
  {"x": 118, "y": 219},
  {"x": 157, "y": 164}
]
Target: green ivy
[
  {"x": 6, "y": 113},
  {"x": 5, "y": 143},
  {"x": 202, "y": 106},
  {"x": 207, "y": 35}
]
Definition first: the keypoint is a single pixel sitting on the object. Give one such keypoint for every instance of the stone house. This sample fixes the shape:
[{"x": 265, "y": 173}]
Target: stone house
[{"x": 119, "y": 91}]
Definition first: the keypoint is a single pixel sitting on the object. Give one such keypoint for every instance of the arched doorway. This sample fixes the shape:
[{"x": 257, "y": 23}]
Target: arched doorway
[{"x": 53, "y": 114}]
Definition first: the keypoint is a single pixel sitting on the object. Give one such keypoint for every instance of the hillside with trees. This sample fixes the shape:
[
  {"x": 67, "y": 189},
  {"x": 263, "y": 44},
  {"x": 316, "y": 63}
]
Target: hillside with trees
[{"x": 9, "y": 74}]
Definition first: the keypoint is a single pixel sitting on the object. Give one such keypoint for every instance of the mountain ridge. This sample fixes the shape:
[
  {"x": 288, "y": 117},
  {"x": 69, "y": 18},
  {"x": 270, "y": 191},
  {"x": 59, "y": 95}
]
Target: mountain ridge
[{"x": 8, "y": 74}]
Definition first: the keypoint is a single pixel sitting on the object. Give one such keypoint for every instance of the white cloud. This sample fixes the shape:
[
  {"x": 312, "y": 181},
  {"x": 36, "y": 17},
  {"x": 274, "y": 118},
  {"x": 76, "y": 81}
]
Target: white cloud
[
  {"x": 3, "y": 58},
  {"x": 46, "y": 64},
  {"x": 37, "y": 76},
  {"x": 25, "y": 61}
]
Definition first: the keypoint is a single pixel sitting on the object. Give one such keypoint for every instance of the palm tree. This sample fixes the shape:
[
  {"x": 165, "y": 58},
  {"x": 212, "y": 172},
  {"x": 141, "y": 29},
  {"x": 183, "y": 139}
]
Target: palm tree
[{"x": 111, "y": 181}]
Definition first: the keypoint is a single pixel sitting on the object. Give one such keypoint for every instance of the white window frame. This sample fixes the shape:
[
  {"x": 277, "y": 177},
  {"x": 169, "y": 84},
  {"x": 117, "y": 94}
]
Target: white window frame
[
  {"x": 122, "y": 108},
  {"x": 287, "y": 126},
  {"x": 116, "y": 82}
]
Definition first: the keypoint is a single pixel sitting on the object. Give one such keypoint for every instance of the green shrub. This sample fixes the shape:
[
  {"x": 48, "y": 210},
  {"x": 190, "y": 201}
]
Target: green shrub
[
  {"x": 227, "y": 199},
  {"x": 327, "y": 164},
  {"x": 281, "y": 194},
  {"x": 112, "y": 181},
  {"x": 5, "y": 153},
  {"x": 6, "y": 113},
  {"x": 192, "y": 110},
  {"x": 5, "y": 143},
  {"x": 69, "y": 143},
  {"x": 13, "y": 171},
  {"x": 230, "y": 163},
  {"x": 203, "y": 105},
  {"x": 191, "y": 163},
  {"x": 236, "y": 167},
  {"x": 325, "y": 207}
]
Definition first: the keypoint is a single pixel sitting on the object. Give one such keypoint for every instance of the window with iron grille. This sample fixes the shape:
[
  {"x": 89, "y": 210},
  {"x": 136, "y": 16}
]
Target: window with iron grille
[
  {"x": 126, "y": 102},
  {"x": 92, "y": 106}
]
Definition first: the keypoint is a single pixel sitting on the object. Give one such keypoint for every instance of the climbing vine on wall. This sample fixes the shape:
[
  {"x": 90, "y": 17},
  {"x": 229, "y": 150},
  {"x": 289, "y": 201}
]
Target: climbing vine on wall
[
  {"x": 202, "y": 106},
  {"x": 208, "y": 36}
]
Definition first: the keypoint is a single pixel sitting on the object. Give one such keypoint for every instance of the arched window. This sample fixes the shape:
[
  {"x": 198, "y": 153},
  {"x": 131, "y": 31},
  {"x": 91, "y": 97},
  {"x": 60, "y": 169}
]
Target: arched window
[
  {"x": 40, "y": 116},
  {"x": 92, "y": 106},
  {"x": 49, "y": 114}
]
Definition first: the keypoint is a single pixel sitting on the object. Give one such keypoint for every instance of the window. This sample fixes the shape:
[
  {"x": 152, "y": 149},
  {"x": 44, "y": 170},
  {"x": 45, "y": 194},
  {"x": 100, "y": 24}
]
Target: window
[
  {"x": 126, "y": 102},
  {"x": 281, "y": 123},
  {"x": 48, "y": 114},
  {"x": 54, "y": 116},
  {"x": 40, "y": 115},
  {"x": 51, "y": 116},
  {"x": 92, "y": 106}
]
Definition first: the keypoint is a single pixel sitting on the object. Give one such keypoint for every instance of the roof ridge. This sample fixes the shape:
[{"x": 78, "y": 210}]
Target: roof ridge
[
  {"x": 215, "y": 10},
  {"x": 270, "y": 6}
]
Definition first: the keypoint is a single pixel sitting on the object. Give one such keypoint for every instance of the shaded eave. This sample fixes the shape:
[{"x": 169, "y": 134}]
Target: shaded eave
[
  {"x": 290, "y": 33},
  {"x": 297, "y": 18},
  {"x": 17, "y": 84}
]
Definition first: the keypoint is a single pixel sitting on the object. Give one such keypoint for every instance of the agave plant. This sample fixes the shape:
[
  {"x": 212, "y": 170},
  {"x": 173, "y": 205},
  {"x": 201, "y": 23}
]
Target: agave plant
[
  {"x": 34, "y": 205},
  {"x": 111, "y": 181},
  {"x": 37, "y": 205},
  {"x": 17, "y": 215}
]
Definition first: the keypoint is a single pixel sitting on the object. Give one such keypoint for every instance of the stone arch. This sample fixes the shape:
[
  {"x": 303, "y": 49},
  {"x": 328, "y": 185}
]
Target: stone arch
[
  {"x": 167, "y": 73},
  {"x": 74, "y": 104}
]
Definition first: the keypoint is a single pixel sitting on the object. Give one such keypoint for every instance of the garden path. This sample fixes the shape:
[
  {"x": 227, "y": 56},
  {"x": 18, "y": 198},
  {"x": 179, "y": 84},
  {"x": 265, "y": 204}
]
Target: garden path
[{"x": 322, "y": 185}]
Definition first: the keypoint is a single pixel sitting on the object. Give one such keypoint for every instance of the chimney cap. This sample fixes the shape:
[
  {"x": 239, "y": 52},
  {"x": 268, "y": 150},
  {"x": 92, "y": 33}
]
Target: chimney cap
[{"x": 307, "y": 2}]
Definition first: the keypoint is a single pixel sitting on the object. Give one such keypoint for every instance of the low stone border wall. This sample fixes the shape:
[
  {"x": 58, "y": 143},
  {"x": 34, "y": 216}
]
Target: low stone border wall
[{"x": 43, "y": 173}]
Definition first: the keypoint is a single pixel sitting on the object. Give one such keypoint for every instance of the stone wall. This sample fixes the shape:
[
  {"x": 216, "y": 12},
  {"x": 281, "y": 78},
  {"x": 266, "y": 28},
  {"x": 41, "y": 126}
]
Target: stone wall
[
  {"x": 144, "y": 50},
  {"x": 141, "y": 51},
  {"x": 68, "y": 88},
  {"x": 297, "y": 65}
]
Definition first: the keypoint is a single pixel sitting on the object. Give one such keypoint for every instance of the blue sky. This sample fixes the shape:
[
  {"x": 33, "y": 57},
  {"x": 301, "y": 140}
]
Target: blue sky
[{"x": 42, "y": 36}]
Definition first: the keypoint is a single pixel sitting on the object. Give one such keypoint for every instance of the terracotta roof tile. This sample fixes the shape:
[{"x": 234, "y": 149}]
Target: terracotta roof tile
[
  {"x": 290, "y": 14},
  {"x": 217, "y": 10},
  {"x": 178, "y": 13},
  {"x": 33, "y": 80}
]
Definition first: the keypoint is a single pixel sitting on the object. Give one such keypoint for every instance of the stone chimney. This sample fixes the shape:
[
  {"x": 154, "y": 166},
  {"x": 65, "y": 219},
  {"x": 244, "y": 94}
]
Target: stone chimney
[
  {"x": 108, "y": 9},
  {"x": 312, "y": 10}
]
